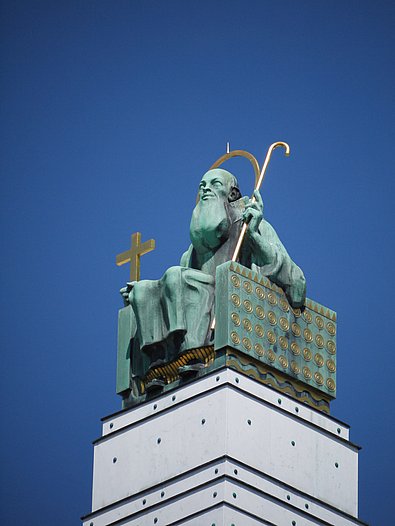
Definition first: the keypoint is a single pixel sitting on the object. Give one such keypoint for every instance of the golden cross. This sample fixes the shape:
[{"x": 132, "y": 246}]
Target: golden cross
[{"x": 136, "y": 250}]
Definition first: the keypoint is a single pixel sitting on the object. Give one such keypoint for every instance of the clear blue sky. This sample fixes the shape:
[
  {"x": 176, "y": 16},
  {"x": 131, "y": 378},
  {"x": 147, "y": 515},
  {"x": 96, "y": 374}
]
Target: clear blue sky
[{"x": 111, "y": 112}]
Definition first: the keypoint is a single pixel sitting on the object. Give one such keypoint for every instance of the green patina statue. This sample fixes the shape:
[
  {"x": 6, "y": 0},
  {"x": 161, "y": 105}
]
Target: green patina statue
[{"x": 174, "y": 314}]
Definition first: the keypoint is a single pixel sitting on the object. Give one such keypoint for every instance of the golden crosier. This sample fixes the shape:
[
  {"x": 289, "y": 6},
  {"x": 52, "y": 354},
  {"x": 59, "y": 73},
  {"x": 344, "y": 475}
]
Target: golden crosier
[{"x": 259, "y": 177}]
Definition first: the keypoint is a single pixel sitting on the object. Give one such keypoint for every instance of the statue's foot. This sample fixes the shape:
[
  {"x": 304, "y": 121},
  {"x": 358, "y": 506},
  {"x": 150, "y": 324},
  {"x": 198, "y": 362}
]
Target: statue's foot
[
  {"x": 155, "y": 385},
  {"x": 191, "y": 369}
]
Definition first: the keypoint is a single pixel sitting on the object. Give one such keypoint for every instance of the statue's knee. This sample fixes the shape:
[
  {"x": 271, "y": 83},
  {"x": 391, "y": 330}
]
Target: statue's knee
[
  {"x": 139, "y": 292},
  {"x": 171, "y": 278}
]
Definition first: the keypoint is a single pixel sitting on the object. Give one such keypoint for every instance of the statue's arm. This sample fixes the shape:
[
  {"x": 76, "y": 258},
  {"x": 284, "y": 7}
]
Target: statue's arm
[
  {"x": 294, "y": 284},
  {"x": 268, "y": 253}
]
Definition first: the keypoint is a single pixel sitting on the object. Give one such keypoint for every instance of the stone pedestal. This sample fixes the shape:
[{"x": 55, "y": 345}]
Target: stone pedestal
[{"x": 224, "y": 449}]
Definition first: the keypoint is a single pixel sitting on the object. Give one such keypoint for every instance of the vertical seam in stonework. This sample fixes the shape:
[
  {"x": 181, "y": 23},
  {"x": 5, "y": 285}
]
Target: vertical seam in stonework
[{"x": 227, "y": 415}]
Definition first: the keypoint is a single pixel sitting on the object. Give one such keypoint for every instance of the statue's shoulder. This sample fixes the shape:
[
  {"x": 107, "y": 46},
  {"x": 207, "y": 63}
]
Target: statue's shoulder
[{"x": 185, "y": 260}]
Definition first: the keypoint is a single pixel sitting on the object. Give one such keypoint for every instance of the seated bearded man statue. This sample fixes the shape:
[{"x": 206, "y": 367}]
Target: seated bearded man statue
[{"x": 174, "y": 314}]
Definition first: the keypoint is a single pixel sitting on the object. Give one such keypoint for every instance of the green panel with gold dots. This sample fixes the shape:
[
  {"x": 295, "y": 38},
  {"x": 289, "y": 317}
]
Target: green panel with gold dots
[{"x": 254, "y": 317}]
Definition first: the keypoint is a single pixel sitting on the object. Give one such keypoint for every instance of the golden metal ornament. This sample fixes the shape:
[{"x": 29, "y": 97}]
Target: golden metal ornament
[
  {"x": 247, "y": 305},
  {"x": 331, "y": 329},
  {"x": 295, "y": 348},
  {"x": 260, "y": 313},
  {"x": 247, "y": 287},
  {"x": 260, "y": 293},
  {"x": 271, "y": 355},
  {"x": 235, "y": 337},
  {"x": 331, "y": 347},
  {"x": 284, "y": 305},
  {"x": 295, "y": 367},
  {"x": 170, "y": 371},
  {"x": 307, "y": 316},
  {"x": 272, "y": 298},
  {"x": 319, "y": 360},
  {"x": 297, "y": 312},
  {"x": 307, "y": 355},
  {"x": 307, "y": 335},
  {"x": 247, "y": 343},
  {"x": 235, "y": 280},
  {"x": 259, "y": 349},
  {"x": 257, "y": 187},
  {"x": 331, "y": 365},
  {"x": 259, "y": 177},
  {"x": 283, "y": 343},
  {"x": 331, "y": 385},
  {"x": 283, "y": 361},
  {"x": 296, "y": 329},
  {"x": 284, "y": 324},
  {"x": 259, "y": 331},
  {"x": 239, "y": 153},
  {"x": 271, "y": 337},
  {"x": 257, "y": 370},
  {"x": 247, "y": 325},
  {"x": 235, "y": 318},
  {"x": 137, "y": 249},
  {"x": 236, "y": 300}
]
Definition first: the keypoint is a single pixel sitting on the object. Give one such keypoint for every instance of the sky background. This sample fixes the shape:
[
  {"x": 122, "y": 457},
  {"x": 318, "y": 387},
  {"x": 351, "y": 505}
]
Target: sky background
[{"x": 110, "y": 114}]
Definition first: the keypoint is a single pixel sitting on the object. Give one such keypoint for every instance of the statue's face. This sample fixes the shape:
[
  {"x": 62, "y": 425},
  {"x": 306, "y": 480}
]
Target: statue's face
[
  {"x": 215, "y": 184},
  {"x": 210, "y": 218}
]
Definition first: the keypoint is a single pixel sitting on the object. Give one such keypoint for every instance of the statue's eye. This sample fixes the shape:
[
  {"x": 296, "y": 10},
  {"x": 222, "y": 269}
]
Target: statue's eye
[{"x": 217, "y": 184}]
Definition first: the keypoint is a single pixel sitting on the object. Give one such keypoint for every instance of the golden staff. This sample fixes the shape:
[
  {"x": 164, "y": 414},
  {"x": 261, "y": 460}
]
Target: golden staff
[
  {"x": 238, "y": 153},
  {"x": 258, "y": 183}
]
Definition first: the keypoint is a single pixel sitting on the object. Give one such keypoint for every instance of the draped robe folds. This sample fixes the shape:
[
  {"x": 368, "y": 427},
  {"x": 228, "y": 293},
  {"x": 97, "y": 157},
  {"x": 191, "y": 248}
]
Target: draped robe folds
[{"x": 174, "y": 314}]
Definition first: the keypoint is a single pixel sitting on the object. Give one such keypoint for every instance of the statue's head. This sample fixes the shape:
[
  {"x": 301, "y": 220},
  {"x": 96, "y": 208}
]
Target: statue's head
[
  {"x": 219, "y": 184},
  {"x": 211, "y": 218}
]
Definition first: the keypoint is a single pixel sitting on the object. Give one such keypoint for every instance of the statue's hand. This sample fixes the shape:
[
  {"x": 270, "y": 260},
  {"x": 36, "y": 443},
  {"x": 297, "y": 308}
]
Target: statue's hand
[
  {"x": 125, "y": 291},
  {"x": 253, "y": 213}
]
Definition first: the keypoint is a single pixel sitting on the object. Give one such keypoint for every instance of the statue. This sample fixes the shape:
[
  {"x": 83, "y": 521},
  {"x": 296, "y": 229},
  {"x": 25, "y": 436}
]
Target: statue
[
  {"x": 236, "y": 300},
  {"x": 174, "y": 314}
]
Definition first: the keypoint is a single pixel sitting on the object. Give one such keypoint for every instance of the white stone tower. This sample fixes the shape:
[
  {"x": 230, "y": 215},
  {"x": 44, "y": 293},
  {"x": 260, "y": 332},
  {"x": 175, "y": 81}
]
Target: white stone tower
[{"x": 244, "y": 436}]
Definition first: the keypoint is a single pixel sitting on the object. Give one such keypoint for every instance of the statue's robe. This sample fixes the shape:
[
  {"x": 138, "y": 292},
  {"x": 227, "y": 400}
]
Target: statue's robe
[{"x": 174, "y": 314}]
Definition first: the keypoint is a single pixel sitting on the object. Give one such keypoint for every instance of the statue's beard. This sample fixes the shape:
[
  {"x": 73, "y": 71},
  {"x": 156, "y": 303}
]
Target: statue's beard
[{"x": 210, "y": 224}]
